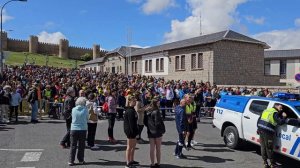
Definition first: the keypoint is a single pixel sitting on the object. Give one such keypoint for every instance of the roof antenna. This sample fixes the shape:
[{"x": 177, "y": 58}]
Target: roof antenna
[{"x": 200, "y": 24}]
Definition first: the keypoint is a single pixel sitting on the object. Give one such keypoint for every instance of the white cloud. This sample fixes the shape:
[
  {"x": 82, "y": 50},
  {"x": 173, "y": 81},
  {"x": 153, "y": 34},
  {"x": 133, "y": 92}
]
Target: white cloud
[
  {"x": 297, "y": 22},
  {"x": 216, "y": 15},
  {"x": 259, "y": 21},
  {"x": 281, "y": 39},
  {"x": 156, "y": 6},
  {"x": 138, "y": 46},
  {"x": 51, "y": 37},
  {"x": 6, "y": 17},
  {"x": 135, "y": 1},
  {"x": 49, "y": 24}
]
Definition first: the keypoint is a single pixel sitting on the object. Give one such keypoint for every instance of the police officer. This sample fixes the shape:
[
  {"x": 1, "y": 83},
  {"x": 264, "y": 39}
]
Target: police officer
[
  {"x": 266, "y": 125},
  {"x": 189, "y": 108}
]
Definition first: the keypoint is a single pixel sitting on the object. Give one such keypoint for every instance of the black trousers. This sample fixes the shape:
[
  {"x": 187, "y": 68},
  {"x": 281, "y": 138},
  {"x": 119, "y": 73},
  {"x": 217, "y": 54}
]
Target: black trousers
[
  {"x": 77, "y": 139},
  {"x": 111, "y": 124},
  {"x": 66, "y": 138},
  {"x": 92, "y": 127},
  {"x": 13, "y": 109},
  {"x": 21, "y": 106},
  {"x": 266, "y": 146},
  {"x": 191, "y": 133},
  {"x": 169, "y": 104},
  {"x": 120, "y": 113}
]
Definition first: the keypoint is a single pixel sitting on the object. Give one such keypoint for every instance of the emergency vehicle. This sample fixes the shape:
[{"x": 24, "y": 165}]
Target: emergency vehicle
[{"x": 237, "y": 116}]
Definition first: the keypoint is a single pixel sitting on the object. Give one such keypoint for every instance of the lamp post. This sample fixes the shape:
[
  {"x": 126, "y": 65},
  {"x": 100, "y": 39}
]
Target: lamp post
[{"x": 1, "y": 46}]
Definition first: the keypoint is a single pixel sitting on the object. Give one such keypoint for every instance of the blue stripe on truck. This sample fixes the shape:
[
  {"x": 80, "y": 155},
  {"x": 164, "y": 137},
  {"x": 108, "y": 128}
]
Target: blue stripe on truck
[{"x": 234, "y": 103}]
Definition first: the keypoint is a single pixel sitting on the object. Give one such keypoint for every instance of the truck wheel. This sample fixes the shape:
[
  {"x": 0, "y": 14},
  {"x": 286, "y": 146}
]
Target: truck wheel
[{"x": 231, "y": 137}]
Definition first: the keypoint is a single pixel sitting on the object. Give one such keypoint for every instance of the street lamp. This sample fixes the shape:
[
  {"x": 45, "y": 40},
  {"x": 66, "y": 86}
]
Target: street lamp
[{"x": 1, "y": 46}]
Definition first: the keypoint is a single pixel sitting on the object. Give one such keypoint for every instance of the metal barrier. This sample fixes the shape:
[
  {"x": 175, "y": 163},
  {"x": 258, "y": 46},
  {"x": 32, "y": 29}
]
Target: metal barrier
[{"x": 206, "y": 112}]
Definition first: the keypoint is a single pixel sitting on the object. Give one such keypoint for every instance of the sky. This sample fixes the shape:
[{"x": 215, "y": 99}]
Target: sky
[{"x": 146, "y": 23}]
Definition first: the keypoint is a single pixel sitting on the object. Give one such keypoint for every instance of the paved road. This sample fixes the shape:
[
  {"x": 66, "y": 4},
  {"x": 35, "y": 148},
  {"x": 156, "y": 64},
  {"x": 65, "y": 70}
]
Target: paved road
[{"x": 36, "y": 145}]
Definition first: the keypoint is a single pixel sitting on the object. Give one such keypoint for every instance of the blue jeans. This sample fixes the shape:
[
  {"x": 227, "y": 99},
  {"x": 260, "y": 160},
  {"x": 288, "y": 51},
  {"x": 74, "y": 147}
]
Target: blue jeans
[
  {"x": 34, "y": 110},
  {"x": 180, "y": 144}
]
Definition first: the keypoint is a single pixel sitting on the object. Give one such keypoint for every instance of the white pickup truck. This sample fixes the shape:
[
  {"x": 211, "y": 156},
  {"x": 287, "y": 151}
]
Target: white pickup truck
[{"x": 236, "y": 117}]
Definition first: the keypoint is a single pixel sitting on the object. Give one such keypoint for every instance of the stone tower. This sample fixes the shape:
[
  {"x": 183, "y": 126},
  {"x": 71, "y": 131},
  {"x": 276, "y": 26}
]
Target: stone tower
[
  {"x": 63, "y": 48},
  {"x": 4, "y": 41},
  {"x": 96, "y": 51},
  {"x": 33, "y": 44}
]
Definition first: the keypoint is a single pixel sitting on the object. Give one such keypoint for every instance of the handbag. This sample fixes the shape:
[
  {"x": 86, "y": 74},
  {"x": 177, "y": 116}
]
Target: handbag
[{"x": 92, "y": 115}]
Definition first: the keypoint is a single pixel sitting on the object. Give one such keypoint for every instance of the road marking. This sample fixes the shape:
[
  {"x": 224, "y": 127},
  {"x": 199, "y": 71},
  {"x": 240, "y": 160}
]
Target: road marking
[
  {"x": 25, "y": 167},
  {"x": 31, "y": 157},
  {"x": 22, "y": 150}
]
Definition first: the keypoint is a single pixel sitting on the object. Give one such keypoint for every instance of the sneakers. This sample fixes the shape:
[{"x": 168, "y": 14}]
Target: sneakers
[
  {"x": 82, "y": 163},
  {"x": 181, "y": 156},
  {"x": 135, "y": 163},
  {"x": 112, "y": 140},
  {"x": 70, "y": 164},
  {"x": 193, "y": 142},
  {"x": 94, "y": 147}
]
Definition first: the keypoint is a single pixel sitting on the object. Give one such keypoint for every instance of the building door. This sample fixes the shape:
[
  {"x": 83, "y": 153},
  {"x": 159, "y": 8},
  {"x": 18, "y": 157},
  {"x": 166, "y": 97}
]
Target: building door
[{"x": 113, "y": 69}]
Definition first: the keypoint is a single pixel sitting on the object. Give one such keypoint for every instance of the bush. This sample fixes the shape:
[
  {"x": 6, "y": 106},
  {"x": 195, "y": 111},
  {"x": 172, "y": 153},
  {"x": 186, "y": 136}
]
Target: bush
[{"x": 86, "y": 57}]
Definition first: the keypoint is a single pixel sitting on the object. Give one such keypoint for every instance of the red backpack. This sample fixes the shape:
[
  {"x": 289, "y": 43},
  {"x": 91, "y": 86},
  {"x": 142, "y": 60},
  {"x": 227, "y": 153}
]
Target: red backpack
[{"x": 105, "y": 107}]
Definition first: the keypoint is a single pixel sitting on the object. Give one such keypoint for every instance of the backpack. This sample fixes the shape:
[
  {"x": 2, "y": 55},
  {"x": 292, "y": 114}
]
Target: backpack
[{"x": 105, "y": 107}]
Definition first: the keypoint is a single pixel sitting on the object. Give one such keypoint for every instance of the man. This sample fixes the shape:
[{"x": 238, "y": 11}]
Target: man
[
  {"x": 181, "y": 125},
  {"x": 266, "y": 125},
  {"x": 189, "y": 108}
]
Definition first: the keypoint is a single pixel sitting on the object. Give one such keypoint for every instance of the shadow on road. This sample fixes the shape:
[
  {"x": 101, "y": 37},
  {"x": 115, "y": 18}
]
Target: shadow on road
[
  {"x": 208, "y": 159},
  {"x": 5, "y": 128},
  {"x": 104, "y": 162},
  {"x": 211, "y": 145}
]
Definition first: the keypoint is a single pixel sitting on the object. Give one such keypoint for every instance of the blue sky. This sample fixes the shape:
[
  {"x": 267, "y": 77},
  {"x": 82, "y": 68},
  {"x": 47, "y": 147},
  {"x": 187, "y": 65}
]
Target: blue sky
[{"x": 152, "y": 22}]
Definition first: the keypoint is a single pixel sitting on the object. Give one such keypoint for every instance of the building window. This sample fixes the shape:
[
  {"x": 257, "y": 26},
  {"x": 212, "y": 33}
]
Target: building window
[
  {"x": 200, "y": 60},
  {"x": 120, "y": 68},
  {"x": 182, "y": 62},
  {"x": 193, "y": 63},
  {"x": 150, "y": 65},
  {"x": 146, "y": 65},
  {"x": 132, "y": 67},
  {"x": 267, "y": 68},
  {"x": 161, "y": 64},
  {"x": 177, "y": 62},
  {"x": 135, "y": 67},
  {"x": 282, "y": 67},
  {"x": 157, "y": 65}
]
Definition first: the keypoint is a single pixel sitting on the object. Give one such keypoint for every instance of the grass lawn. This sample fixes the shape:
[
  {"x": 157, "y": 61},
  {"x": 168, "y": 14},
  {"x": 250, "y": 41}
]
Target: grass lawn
[{"x": 18, "y": 58}]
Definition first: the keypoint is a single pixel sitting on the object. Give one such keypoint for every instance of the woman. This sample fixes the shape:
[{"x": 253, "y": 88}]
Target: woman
[
  {"x": 112, "y": 112},
  {"x": 78, "y": 130},
  {"x": 92, "y": 121},
  {"x": 69, "y": 104},
  {"x": 155, "y": 129},
  {"x": 140, "y": 113},
  {"x": 131, "y": 131},
  {"x": 14, "y": 103}
]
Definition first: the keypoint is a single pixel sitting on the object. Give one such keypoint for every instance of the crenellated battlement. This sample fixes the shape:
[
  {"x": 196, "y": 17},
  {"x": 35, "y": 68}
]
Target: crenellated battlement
[{"x": 62, "y": 49}]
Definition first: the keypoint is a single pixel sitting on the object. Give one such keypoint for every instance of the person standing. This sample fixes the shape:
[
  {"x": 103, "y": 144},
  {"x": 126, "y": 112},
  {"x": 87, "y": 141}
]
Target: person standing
[
  {"x": 5, "y": 103},
  {"x": 15, "y": 101},
  {"x": 181, "y": 126},
  {"x": 33, "y": 100},
  {"x": 139, "y": 108},
  {"x": 266, "y": 124},
  {"x": 169, "y": 98},
  {"x": 78, "y": 131},
  {"x": 69, "y": 104},
  {"x": 92, "y": 121},
  {"x": 155, "y": 130},
  {"x": 131, "y": 130},
  {"x": 121, "y": 104},
  {"x": 112, "y": 112}
]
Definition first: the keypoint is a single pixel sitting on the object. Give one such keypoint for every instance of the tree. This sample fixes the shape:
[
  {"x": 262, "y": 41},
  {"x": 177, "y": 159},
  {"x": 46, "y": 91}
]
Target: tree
[{"x": 86, "y": 57}]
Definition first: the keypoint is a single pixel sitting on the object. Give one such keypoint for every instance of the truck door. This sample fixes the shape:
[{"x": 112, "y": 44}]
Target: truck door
[
  {"x": 288, "y": 136},
  {"x": 251, "y": 115}
]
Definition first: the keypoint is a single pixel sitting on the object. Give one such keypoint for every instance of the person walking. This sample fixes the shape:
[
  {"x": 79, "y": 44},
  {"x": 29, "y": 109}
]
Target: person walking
[
  {"x": 181, "y": 126},
  {"x": 112, "y": 112},
  {"x": 266, "y": 124},
  {"x": 155, "y": 130},
  {"x": 131, "y": 130},
  {"x": 15, "y": 101},
  {"x": 78, "y": 131},
  {"x": 92, "y": 121},
  {"x": 69, "y": 104},
  {"x": 33, "y": 100}
]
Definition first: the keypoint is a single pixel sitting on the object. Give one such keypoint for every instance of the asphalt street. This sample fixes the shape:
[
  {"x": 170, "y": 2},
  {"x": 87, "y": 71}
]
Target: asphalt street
[{"x": 37, "y": 146}]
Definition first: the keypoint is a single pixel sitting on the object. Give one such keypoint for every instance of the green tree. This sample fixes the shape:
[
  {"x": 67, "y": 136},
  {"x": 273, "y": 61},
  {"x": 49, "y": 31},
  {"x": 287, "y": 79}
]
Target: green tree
[{"x": 86, "y": 57}]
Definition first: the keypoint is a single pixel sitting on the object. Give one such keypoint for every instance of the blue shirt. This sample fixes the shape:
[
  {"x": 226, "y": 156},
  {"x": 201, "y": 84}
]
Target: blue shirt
[
  {"x": 15, "y": 99},
  {"x": 79, "y": 118}
]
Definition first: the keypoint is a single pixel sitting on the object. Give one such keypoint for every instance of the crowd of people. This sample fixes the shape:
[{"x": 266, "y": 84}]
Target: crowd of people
[{"x": 137, "y": 100}]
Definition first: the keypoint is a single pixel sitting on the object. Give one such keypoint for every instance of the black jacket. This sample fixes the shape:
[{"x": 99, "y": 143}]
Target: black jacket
[
  {"x": 154, "y": 123},
  {"x": 69, "y": 104},
  {"x": 130, "y": 122}
]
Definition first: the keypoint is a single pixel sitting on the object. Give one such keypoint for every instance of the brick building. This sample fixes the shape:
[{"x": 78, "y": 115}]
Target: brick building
[{"x": 224, "y": 58}]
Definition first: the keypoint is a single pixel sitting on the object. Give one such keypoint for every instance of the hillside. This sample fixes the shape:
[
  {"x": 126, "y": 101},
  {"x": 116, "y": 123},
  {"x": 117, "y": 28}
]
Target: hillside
[{"x": 19, "y": 58}]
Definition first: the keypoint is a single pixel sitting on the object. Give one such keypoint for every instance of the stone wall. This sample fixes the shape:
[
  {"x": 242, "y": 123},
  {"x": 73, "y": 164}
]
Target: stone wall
[
  {"x": 238, "y": 63},
  {"x": 17, "y": 45},
  {"x": 33, "y": 46},
  {"x": 204, "y": 74}
]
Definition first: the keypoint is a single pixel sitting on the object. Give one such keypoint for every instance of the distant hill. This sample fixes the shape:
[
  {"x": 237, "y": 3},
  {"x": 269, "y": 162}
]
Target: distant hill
[{"x": 19, "y": 58}]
